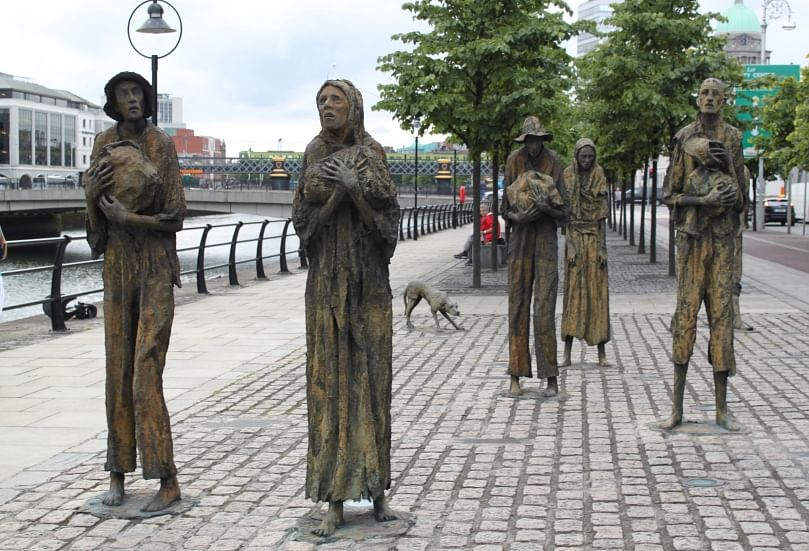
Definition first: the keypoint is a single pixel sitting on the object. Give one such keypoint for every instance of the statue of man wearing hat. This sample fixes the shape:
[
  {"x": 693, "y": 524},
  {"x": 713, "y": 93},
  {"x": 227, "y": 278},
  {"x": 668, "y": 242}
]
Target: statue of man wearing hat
[
  {"x": 532, "y": 256},
  {"x": 704, "y": 188},
  {"x": 135, "y": 207}
]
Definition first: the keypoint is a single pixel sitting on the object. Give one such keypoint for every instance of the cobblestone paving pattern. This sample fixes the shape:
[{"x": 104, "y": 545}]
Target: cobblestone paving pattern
[{"x": 480, "y": 470}]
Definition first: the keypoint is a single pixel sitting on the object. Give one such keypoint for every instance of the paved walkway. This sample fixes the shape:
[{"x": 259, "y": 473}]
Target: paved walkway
[{"x": 472, "y": 467}]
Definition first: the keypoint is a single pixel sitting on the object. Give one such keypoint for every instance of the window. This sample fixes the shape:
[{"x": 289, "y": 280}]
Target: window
[
  {"x": 56, "y": 140},
  {"x": 26, "y": 136},
  {"x": 70, "y": 140},
  {"x": 4, "y": 136},
  {"x": 40, "y": 138}
]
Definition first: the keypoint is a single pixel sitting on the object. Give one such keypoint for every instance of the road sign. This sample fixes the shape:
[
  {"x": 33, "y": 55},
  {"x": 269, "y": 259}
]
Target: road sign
[
  {"x": 781, "y": 71},
  {"x": 752, "y": 98}
]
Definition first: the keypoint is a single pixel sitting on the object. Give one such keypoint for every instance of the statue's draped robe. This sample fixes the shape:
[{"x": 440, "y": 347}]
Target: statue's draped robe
[
  {"x": 586, "y": 311},
  {"x": 348, "y": 324},
  {"x": 140, "y": 269},
  {"x": 532, "y": 271}
]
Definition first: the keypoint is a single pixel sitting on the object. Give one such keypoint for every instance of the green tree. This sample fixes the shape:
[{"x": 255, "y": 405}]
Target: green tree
[
  {"x": 799, "y": 138},
  {"x": 638, "y": 88},
  {"x": 479, "y": 69},
  {"x": 778, "y": 117}
]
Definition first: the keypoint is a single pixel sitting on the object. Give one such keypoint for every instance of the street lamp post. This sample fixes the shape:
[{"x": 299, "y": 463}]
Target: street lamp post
[
  {"x": 416, "y": 126},
  {"x": 771, "y": 10},
  {"x": 155, "y": 24}
]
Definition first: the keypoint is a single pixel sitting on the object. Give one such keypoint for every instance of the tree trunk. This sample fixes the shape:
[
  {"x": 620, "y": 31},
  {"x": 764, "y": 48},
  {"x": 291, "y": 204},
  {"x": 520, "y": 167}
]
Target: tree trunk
[
  {"x": 642, "y": 234},
  {"x": 476, "y": 220},
  {"x": 495, "y": 210}
]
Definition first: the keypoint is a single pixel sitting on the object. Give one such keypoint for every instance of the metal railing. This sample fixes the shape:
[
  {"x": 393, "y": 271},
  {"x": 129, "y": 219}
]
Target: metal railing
[
  {"x": 55, "y": 303},
  {"x": 412, "y": 221}
]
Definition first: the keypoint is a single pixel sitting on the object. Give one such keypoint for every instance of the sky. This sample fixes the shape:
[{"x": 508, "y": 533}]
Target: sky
[{"x": 248, "y": 70}]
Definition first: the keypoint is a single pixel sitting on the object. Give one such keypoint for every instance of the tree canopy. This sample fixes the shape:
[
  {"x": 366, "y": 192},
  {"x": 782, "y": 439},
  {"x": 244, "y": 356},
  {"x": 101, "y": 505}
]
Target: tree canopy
[
  {"x": 639, "y": 87},
  {"x": 479, "y": 69}
]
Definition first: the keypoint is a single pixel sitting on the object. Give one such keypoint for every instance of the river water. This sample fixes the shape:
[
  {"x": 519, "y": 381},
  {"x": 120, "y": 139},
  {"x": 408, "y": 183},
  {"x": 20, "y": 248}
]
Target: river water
[{"x": 21, "y": 288}]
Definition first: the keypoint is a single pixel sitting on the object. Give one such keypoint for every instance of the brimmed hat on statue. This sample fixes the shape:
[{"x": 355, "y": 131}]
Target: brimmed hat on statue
[
  {"x": 111, "y": 107},
  {"x": 532, "y": 127}
]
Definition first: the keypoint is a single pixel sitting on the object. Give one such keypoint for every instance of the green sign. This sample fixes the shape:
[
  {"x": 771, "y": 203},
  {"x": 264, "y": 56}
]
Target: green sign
[
  {"x": 753, "y": 98},
  {"x": 781, "y": 71}
]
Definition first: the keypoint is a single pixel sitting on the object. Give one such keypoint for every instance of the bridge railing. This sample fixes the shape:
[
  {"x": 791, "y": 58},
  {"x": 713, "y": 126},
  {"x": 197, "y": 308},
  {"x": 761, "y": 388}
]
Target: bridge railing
[{"x": 412, "y": 223}]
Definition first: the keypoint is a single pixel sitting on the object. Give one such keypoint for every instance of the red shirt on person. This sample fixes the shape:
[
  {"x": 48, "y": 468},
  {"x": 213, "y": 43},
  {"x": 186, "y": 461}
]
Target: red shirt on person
[{"x": 487, "y": 228}]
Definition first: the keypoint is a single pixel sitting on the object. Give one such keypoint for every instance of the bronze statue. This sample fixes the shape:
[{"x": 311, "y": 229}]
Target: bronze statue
[
  {"x": 346, "y": 214},
  {"x": 738, "y": 322},
  {"x": 702, "y": 188},
  {"x": 586, "y": 312},
  {"x": 532, "y": 262},
  {"x": 134, "y": 210}
]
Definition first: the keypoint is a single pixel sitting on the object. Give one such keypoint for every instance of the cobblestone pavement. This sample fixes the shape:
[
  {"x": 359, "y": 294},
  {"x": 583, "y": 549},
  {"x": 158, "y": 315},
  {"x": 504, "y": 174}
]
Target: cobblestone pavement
[{"x": 477, "y": 469}]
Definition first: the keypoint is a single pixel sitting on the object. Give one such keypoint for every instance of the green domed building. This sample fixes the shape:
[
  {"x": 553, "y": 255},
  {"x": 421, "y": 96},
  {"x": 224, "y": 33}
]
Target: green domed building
[{"x": 743, "y": 31}]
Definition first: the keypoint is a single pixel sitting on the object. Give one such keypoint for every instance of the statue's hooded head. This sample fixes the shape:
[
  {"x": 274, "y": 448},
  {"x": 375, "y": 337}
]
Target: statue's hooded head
[
  {"x": 111, "y": 105},
  {"x": 339, "y": 104},
  {"x": 584, "y": 154}
]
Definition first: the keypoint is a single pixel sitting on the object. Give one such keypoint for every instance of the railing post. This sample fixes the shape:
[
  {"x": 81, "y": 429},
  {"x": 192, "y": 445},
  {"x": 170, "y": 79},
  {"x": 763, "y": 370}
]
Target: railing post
[
  {"x": 232, "y": 275},
  {"x": 401, "y": 222},
  {"x": 260, "y": 252},
  {"x": 57, "y": 308},
  {"x": 415, "y": 223},
  {"x": 202, "y": 288},
  {"x": 435, "y": 218},
  {"x": 427, "y": 212},
  {"x": 283, "y": 257},
  {"x": 409, "y": 218}
]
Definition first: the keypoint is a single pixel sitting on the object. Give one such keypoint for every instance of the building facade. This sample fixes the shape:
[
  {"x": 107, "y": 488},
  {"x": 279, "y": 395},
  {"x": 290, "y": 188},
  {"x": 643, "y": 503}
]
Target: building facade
[
  {"x": 596, "y": 11},
  {"x": 46, "y": 135}
]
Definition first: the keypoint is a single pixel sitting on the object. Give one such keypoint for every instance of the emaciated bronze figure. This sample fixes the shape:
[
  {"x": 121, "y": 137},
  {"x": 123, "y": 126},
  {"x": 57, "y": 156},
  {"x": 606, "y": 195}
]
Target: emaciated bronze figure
[
  {"x": 532, "y": 256},
  {"x": 346, "y": 214},
  {"x": 586, "y": 312},
  {"x": 702, "y": 188},
  {"x": 135, "y": 207}
]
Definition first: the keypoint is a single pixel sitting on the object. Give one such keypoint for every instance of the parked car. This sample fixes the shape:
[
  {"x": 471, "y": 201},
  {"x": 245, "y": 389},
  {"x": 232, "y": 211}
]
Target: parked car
[
  {"x": 487, "y": 196},
  {"x": 775, "y": 210}
]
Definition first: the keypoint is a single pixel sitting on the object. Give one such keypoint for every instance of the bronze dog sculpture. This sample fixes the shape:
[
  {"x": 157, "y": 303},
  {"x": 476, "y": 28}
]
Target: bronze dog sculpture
[{"x": 438, "y": 301}]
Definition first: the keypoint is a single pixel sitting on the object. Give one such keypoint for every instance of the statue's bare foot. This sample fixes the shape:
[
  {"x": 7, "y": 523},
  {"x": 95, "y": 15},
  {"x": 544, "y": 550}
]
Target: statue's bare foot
[
  {"x": 331, "y": 520},
  {"x": 168, "y": 493},
  {"x": 115, "y": 496},
  {"x": 382, "y": 512},
  {"x": 565, "y": 362},
  {"x": 602, "y": 362},
  {"x": 552, "y": 389},
  {"x": 675, "y": 420},
  {"x": 515, "y": 389},
  {"x": 726, "y": 422}
]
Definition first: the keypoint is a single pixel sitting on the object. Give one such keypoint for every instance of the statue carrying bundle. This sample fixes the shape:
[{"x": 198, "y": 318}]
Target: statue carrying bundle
[
  {"x": 534, "y": 189},
  {"x": 135, "y": 177}
]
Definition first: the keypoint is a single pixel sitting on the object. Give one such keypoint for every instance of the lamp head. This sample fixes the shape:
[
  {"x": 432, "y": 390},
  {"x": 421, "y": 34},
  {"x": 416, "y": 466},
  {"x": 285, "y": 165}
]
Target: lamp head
[{"x": 155, "y": 24}]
